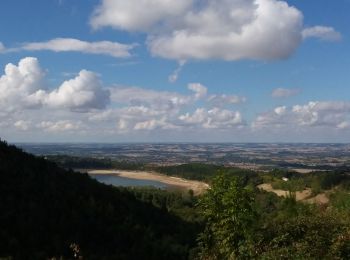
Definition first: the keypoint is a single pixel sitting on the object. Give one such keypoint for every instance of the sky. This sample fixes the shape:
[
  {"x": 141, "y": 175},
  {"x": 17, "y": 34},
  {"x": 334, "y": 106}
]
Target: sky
[{"x": 175, "y": 71}]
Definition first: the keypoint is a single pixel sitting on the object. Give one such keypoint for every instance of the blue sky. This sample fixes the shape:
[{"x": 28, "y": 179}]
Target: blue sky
[{"x": 187, "y": 70}]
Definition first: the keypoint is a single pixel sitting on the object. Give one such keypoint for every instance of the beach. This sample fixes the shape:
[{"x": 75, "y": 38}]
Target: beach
[{"x": 197, "y": 186}]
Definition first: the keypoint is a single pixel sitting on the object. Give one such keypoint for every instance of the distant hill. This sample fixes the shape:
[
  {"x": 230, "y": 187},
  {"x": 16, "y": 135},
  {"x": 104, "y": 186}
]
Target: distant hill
[{"x": 46, "y": 211}]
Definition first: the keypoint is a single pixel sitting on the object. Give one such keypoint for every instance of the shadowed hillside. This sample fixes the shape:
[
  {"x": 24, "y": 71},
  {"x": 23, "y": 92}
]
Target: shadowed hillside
[{"x": 47, "y": 212}]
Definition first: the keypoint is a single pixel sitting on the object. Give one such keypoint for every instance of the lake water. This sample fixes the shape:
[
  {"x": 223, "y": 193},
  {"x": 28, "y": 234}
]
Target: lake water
[{"x": 127, "y": 182}]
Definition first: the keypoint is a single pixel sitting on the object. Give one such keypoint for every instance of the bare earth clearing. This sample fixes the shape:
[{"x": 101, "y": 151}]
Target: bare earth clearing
[
  {"x": 197, "y": 186},
  {"x": 304, "y": 195}
]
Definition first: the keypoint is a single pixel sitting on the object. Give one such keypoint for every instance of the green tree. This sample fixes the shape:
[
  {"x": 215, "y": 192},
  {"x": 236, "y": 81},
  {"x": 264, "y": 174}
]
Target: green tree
[{"x": 228, "y": 210}]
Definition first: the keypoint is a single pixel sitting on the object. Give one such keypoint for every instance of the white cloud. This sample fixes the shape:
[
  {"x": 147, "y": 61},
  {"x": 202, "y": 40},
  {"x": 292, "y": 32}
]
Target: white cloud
[
  {"x": 344, "y": 125},
  {"x": 213, "y": 119},
  {"x": 123, "y": 125},
  {"x": 284, "y": 92},
  {"x": 151, "y": 124},
  {"x": 81, "y": 93},
  {"x": 59, "y": 126},
  {"x": 199, "y": 90},
  {"x": 19, "y": 83},
  {"x": 322, "y": 32},
  {"x": 137, "y": 15},
  {"x": 175, "y": 75},
  {"x": 22, "y": 125},
  {"x": 109, "y": 48},
  {"x": 24, "y": 87},
  {"x": 217, "y": 29},
  {"x": 135, "y": 118},
  {"x": 233, "y": 30},
  {"x": 25, "y": 94},
  {"x": 28, "y": 104},
  {"x": 150, "y": 110},
  {"x": 161, "y": 100},
  {"x": 317, "y": 114},
  {"x": 280, "y": 110}
]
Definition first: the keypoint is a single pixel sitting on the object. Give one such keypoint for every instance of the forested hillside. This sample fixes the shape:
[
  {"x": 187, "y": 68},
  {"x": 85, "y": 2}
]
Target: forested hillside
[
  {"x": 47, "y": 212},
  {"x": 50, "y": 212}
]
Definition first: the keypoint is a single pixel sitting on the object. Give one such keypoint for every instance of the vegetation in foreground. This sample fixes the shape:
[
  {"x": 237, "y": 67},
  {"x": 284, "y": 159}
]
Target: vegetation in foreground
[
  {"x": 243, "y": 224},
  {"x": 48, "y": 212}
]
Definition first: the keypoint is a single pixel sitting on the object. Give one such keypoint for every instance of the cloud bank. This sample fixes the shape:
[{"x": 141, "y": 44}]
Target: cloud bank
[
  {"x": 83, "y": 106},
  {"x": 315, "y": 114}
]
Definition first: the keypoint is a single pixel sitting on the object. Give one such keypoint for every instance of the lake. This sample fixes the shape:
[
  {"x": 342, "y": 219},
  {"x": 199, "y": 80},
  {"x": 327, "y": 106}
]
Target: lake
[{"x": 127, "y": 182}]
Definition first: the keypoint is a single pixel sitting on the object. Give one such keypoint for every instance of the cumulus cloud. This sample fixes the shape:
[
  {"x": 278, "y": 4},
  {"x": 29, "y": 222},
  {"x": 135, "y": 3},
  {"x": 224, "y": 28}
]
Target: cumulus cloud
[
  {"x": 214, "y": 118},
  {"x": 24, "y": 93},
  {"x": 150, "y": 110},
  {"x": 330, "y": 114},
  {"x": 233, "y": 30},
  {"x": 147, "y": 109},
  {"x": 135, "y": 118},
  {"x": 324, "y": 33},
  {"x": 28, "y": 104},
  {"x": 284, "y": 92},
  {"x": 217, "y": 29},
  {"x": 137, "y": 15},
  {"x": 81, "y": 93},
  {"x": 280, "y": 110},
  {"x": 143, "y": 119},
  {"x": 19, "y": 83},
  {"x": 109, "y": 48},
  {"x": 24, "y": 87}
]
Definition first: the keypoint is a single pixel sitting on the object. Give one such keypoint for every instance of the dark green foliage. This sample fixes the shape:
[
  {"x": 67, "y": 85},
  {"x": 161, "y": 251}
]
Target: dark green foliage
[
  {"x": 329, "y": 180},
  {"x": 70, "y": 162},
  {"x": 179, "y": 204},
  {"x": 206, "y": 172},
  {"x": 241, "y": 224},
  {"x": 247, "y": 177},
  {"x": 193, "y": 171},
  {"x": 322, "y": 236},
  {"x": 230, "y": 216},
  {"x": 341, "y": 200},
  {"x": 73, "y": 162},
  {"x": 46, "y": 210}
]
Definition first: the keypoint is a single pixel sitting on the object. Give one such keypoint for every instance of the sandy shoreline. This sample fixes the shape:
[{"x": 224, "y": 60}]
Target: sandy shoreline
[{"x": 197, "y": 186}]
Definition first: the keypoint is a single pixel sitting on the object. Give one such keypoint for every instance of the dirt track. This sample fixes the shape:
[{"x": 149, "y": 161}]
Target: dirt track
[{"x": 304, "y": 195}]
